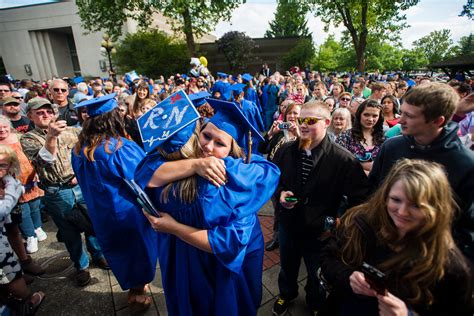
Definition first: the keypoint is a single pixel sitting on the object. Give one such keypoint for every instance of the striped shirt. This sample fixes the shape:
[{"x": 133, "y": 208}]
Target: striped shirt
[{"x": 306, "y": 166}]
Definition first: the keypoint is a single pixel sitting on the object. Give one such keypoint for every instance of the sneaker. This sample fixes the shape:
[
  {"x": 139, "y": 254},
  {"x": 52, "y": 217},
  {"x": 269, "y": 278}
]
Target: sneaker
[
  {"x": 31, "y": 244},
  {"x": 280, "y": 306},
  {"x": 83, "y": 277},
  {"x": 40, "y": 234}
]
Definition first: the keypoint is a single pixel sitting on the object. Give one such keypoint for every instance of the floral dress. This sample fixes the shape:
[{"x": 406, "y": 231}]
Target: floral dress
[{"x": 346, "y": 140}]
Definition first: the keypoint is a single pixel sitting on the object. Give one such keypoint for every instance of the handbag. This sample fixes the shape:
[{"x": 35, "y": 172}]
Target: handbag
[{"x": 79, "y": 217}]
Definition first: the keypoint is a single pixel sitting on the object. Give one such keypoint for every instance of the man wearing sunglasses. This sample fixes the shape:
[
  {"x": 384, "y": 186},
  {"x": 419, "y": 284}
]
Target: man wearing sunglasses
[
  {"x": 11, "y": 109},
  {"x": 316, "y": 175},
  {"x": 59, "y": 92}
]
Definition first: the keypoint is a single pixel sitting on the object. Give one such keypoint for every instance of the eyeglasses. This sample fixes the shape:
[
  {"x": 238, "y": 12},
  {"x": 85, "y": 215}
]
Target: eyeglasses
[
  {"x": 44, "y": 113},
  {"x": 345, "y": 99},
  {"x": 309, "y": 120},
  {"x": 4, "y": 166},
  {"x": 57, "y": 90}
]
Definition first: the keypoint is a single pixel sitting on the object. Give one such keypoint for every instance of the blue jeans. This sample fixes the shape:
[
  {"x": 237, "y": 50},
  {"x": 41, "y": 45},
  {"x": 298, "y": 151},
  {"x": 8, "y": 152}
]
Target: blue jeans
[
  {"x": 30, "y": 217},
  {"x": 292, "y": 249},
  {"x": 59, "y": 201}
]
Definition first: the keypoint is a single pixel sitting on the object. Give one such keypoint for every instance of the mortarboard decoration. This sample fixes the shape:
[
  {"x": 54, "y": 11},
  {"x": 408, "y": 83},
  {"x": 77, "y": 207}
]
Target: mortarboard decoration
[
  {"x": 100, "y": 105},
  {"x": 247, "y": 77},
  {"x": 169, "y": 124},
  {"x": 230, "y": 119},
  {"x": 198, "y": 99},
  {"x": 131, "y": 76}
]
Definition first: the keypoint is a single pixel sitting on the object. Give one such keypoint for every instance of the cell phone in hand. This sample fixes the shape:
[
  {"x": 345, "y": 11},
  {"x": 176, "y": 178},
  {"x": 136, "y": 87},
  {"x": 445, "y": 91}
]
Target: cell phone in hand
[
  {"x": 284, "y": 125},
  {"x": 291, "y": 199},
  {"x": 375, "y": 278}
]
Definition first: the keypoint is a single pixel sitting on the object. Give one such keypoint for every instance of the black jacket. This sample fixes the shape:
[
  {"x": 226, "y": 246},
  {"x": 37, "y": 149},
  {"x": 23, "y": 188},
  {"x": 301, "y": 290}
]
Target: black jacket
[
  {"x": 337, "y": 174},
  {"x": 458, "y": 161}
]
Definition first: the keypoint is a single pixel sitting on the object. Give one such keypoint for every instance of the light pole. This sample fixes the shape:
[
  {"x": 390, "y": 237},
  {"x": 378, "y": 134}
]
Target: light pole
[{"x": 109, "y": 47}]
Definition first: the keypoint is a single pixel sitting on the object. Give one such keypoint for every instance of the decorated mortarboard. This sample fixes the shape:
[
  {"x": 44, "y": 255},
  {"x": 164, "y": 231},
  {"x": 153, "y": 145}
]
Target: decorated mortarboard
[
  {"x": 184, "y": 76},
  {"x": 169, "y": 124},
  {"x": 222, "y": 75},
  {"x": 229, "y": 118},
  {"x": 131, "y": 76},
  {"x": 238, "y": 88},
  {"x": 100, "y": 105},
  {"x": 247, "y": 77},
  {"x": 199, "y": 98},
  {"x": 78, "y": 79}
]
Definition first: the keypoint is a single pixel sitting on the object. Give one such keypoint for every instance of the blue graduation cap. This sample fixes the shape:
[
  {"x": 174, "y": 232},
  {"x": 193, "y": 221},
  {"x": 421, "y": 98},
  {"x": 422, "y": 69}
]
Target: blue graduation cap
[
  {"x": 169, "y": 124},
  {"x": 131, "y": 76},
  {"x": 78, "y": 79},
  {"x": 222, "y": 75},
  {"x": 230, "y": 119},
  {"x": 198, "y": 99},
  {"x": 100, "y": 105},
  {"x": 247, "y": 77},
  {"x": 184, "y": 76},
  {"x": 238, "y": 88}
]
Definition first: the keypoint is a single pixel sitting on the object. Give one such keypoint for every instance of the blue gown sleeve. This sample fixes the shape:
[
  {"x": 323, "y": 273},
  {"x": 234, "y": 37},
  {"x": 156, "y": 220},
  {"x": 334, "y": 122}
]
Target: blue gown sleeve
[
  {"x": 147, "y": 167},
  {"x": 127, "y": 158},
  {"x": 231, "y": 210}
]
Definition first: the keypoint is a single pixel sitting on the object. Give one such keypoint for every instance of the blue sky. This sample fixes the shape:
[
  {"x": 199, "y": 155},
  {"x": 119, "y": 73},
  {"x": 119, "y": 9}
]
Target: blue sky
[{"x": 254, "y": 16}]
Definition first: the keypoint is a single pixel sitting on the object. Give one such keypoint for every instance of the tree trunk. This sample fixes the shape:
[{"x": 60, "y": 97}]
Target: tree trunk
[
  {"x": 360, "y": 54},
  {"x": 188, "y": 32}
]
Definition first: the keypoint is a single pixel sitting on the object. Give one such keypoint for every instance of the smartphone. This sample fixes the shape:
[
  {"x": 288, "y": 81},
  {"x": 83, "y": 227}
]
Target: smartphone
[
  {"x": 375, "y": 278},
  {"x": 284, "y": 125},
  {"x": 291, "y": 199}
]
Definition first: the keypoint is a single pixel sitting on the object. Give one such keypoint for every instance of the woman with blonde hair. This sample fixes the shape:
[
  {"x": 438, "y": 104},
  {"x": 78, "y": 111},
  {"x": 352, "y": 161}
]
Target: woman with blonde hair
[
  {"x": 404, "y": 231},
  {"x": 340, "y": 122}
]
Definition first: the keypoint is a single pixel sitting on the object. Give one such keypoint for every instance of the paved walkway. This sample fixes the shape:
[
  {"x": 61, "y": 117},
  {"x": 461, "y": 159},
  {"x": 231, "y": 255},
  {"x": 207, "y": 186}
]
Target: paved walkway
[{"x": 103, "y": 296}]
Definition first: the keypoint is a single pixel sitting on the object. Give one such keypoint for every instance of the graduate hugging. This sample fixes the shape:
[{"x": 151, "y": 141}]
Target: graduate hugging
[{"x": 208, "y": 192}]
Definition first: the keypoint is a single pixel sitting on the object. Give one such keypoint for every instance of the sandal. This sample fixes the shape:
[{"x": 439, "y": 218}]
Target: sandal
[
  {"x": 139, "y": 301},
  {"x": 35, "y": 301},
  {"x": 28, "y": 306}
]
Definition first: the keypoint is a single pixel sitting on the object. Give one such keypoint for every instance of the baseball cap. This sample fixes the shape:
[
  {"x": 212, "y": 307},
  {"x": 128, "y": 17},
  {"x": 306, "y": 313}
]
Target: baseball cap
[{"x": 37, "y": 103}]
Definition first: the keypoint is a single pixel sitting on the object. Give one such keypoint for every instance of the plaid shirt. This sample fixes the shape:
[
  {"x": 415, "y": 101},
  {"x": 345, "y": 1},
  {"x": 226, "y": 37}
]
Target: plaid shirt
[{"x": 56, "y": 172}]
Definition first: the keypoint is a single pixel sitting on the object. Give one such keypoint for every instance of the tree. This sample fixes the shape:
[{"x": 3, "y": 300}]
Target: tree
[
  {"x": 328, "y": 55},
  {"x": 301, "y": 55},
  {"x": 152, "y": 53},
  {"x": 436, "y": 45},
  {"x": 237, "y": 49},
  {"x": 193, "y": 18},
  {"x": 466, "y": 45},
  {"x": 379, "y": 18},
  {"x": 467, "y": 9},
  {"x": 413, "y": 59},
  {"x": 289, "y": 20}
]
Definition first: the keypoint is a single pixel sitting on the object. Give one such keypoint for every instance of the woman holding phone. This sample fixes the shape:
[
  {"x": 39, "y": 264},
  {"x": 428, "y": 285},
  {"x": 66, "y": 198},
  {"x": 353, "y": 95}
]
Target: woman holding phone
[{"x": 404, "y": 231}]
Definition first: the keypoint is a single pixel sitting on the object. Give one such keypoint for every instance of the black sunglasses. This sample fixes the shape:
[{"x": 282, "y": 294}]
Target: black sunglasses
[{"x": 57, "y": 90}]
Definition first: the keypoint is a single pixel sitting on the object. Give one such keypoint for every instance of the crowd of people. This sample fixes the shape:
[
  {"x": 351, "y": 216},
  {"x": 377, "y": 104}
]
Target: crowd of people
[{"x": 371, "y": 178}]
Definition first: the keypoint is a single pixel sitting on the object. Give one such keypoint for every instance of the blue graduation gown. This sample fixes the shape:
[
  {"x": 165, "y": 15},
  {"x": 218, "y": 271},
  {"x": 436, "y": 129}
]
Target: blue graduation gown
[
  {"x": 126, "y": 237},
  {"x": 229, "y": 280},
  {"x": 253, "y": 115},
  {"x": 223, "y": 88},
  {"x": 252, "y": 96}
]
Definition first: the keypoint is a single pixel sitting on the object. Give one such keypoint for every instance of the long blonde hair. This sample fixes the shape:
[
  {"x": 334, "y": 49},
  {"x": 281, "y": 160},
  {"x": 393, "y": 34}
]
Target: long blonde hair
[
  {"x": 12, "y": 158},
  {"x": 186, "y": 189},
  {"x": 423, "y": 254}
]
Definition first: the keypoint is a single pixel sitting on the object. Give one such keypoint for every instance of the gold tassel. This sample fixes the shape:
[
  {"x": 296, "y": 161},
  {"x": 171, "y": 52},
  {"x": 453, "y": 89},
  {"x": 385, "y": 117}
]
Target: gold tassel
[{"x": 249, "y": 155}]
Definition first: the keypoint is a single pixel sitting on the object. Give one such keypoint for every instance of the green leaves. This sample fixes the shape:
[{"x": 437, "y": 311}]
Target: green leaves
[
  {"x": 301, "y": 55},
  {"x": 289, "y": 20},
  {"x": 436, "y": 45},
  {"x": 152, "y": 54},
  {"x": 237, "y": 49}
]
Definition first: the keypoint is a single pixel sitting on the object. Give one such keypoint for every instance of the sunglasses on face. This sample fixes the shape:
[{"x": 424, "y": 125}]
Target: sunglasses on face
[
  {"x": 309, "y": 120},
  {"x": 57, "y": 90},
  {"x": 345, "y": 99},
  {"x": 18, "y": 98},
  {"x": 4, "y": 166},
  {"x": 45, "y": 113}
]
